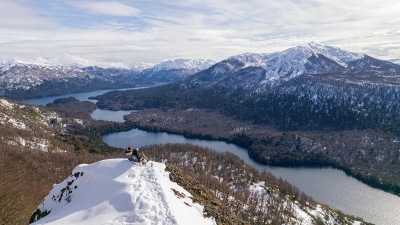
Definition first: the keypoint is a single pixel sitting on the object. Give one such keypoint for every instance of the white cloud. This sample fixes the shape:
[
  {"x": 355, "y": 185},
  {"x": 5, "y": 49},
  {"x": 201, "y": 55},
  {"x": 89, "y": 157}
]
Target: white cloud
[
  {"x": 151, "y": 31},
  {"x": 109, "y": 8},
  {"x": 19, "y": 16}
]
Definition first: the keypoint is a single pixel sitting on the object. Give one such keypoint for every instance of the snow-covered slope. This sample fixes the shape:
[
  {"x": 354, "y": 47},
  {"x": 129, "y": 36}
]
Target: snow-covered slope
[
  {"x": 20, "y": 79},
  {"x": 176, "y": 70},
  {"x": 257, "y": 73},
  {"x": 189, "y": 64},
  {"x": 297, "y": 56},
  {"x": 31, "y": 127},
  {"x": 21, "y": 75},
  {"x": 311, "y": 58},
  {"x": 115, "y": 191}
]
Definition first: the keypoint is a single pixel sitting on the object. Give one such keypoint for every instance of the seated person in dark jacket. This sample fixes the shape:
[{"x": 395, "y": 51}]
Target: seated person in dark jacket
[{"x": 133, "y": 155}]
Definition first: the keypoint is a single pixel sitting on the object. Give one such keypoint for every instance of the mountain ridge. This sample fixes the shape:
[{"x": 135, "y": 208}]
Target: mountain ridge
[
  {"x": 19, "y": 80},
  {"x": 125, "y": 193},
  {"x": 279, "y": 67}
]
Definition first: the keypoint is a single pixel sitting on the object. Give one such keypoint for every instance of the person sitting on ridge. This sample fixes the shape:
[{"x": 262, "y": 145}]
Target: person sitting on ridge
[
  {"x": 135, "y": 156},
  {"x": 129, "y": 154}
]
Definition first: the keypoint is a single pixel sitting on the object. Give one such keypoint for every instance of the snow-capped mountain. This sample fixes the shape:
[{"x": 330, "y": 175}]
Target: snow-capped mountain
[
  {"x": 116, "y": 192},
  {"x": 312, "y": 58},
  {"x": 26, "y": 80},
  {"x": 297, "y": 56},
  {"x": 39, "y": 79},
  {"x": 176, "y": 70},
  {"x": 189, "y": 64},
  {"x": 257, "y": 73},
  {"x": 309, "y": 85},
  {"x": 20, "y": 75}
]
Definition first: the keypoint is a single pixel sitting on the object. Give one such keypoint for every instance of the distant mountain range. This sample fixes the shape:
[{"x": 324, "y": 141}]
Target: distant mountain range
[
  {"x": 257, "y": 73},
  {"x": 312, "y": 86},
  {"x": 19, "y": 80}
]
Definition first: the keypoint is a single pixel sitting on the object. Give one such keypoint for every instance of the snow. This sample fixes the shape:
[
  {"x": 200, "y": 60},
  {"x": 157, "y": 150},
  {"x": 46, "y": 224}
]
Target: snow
[
  {"x": 336, "y": 54},
  {"x": 115, "y": 191},
  {"x": 6, "y": 103},
  {"x": 251, "y": 59},
  {"x": 296, "y": 57},
  {"x": 190, "y": 64},
  {"x": 288, "y": 64},
  {"x": 140, "y": 66}
]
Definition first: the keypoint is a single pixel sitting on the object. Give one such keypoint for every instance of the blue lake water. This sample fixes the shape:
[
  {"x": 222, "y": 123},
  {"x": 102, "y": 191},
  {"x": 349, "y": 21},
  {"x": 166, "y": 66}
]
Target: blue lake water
[
  {"x": 98, "y": 114},
  {"x": 326, "y": 185}
]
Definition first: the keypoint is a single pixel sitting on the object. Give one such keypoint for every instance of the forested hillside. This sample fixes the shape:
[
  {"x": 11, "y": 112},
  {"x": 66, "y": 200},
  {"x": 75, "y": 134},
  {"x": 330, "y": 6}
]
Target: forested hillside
[{"x": 41, "y": 147}]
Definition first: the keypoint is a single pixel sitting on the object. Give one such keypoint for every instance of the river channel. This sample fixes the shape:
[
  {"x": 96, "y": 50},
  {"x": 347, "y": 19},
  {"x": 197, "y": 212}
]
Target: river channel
[{"x": 326, "y": 185}]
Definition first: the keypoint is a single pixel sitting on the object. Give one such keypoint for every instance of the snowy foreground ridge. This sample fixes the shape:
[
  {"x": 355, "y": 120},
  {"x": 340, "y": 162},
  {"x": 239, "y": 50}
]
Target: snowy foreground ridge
[{"x": 115, "y": 191}]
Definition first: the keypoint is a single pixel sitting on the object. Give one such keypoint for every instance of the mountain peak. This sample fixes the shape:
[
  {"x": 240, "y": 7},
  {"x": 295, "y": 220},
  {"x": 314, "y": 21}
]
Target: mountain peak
[
  {"x": 191, "y": 64},
  {"x": 314, "y": 44},
  {"x": 296, "y": 56},
  {"x": 338, "y": 55},
  {"x": 114, "y": 191}
]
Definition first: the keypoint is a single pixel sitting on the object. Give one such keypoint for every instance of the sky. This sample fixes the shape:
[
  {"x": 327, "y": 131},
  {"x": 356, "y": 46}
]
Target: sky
[{"x": 122, "y": 33}]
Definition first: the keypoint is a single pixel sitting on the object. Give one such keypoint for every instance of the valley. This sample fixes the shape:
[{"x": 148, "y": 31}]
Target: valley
[
  {"x": 310, "y": 105},
  {"x": 315, "y": 181},
  {"x": 351, "y": 151},
  {"x": 79, "y": 141},
  {"x": 332, "y": 108}
]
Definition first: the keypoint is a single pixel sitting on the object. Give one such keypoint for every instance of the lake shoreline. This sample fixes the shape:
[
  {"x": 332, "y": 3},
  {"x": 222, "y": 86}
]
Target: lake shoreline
[
  {"x": 305, "y": 165},
  {"x": 348, "y": 198}
]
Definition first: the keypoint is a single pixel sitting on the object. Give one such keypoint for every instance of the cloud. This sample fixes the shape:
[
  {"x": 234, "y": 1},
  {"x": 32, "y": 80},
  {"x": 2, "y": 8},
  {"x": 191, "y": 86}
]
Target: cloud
[
  {"x": 110, "y": 9},
  {"x": 18, "y": 16},
  {"x": 152, "y": 31}
]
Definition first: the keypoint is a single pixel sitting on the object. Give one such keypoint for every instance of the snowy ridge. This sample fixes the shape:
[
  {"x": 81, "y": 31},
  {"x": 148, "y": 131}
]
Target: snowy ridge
[
  {"x": 251, "y": 59},
  {"x": 35, "y": 125},
  {"x": 189, "y": 64},
  {"x": 296, "y": 56},
  {"x": 280, "y": 67},
  {"x": 285, "y": 65},
  {"x": 20, "y": 75},
  {"x": 140, "y": 66},
  {"x": 116, "y": 192},
  {"x": 7, "y": 65},
  {"x": 336, "y": 54},
  {"x": 176, "y": 70},
  {"x": 20, "y": 79}
]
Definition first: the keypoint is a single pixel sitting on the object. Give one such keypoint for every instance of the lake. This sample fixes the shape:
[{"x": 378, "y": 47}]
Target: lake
[
  {"x": 326, "y": 185},
  {"x": 98, "y": 114}
]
